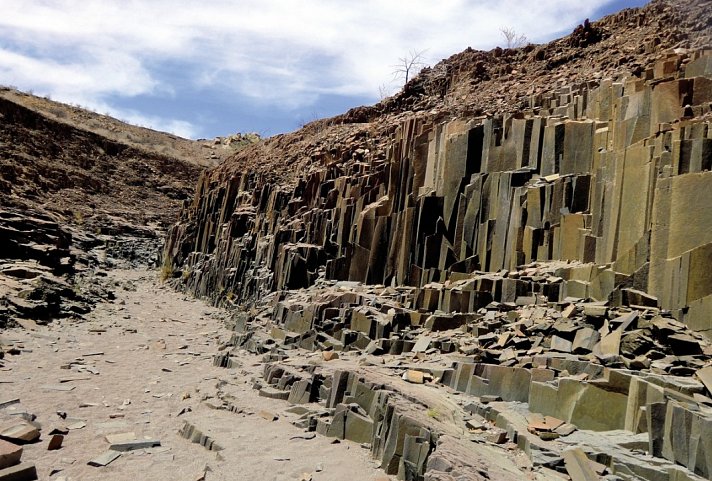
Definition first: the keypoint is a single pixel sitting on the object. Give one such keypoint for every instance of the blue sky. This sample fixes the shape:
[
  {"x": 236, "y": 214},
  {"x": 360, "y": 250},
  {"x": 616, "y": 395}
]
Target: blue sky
[{"x": 206, "y": 68}]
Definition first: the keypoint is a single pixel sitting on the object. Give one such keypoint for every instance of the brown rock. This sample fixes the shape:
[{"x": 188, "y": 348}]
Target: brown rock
[
  {"x": 416, "y": 377},
  {"x": 20, "y": 472},
  {"x": 20, "y": 432},
  {"x": 329, "y": 355},
  {"x": 55, "y": 442},
  {"x": 10, "y": 454}
]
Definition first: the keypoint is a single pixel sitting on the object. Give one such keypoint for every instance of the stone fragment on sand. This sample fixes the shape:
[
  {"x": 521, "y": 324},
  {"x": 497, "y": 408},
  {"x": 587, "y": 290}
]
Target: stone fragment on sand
[
  {"x": 55, "y": 442},
  {"x": 474, "y": 425},
  {"x": 74, "y": 424},
  {"x": 10, "y": 454},
  {"x": 105, "y": 459},
  {"x": 120, "y": 437},
  {"x": 329, "y": 355},
  {"x": 9, "y": 402},
  {"x": 20, "y": 432},
  {"x": 136, "y": 444},
  {"x": 497, "y": 436},
  {"x": 269, "y": 416},
  {"x": 565, "y": 429},
  {"x": 20, "y": 472},
  {"x": 413, "y": 376}
]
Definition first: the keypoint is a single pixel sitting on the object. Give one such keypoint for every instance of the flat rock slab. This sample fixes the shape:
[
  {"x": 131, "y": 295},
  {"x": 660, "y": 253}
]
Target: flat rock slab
[
  {"x": 137, "y": 444},
  {"x": 578, "y": 465},
  {"x": 21, "y": 472},
  {"x": 21, "y": 432},
  {"x": 105, "y": 459},
  {"x": 705, "y": 375},
  {"x": 120, "y": 438},
  {"x": 9, "y": 402},
  {"x": 55, "y": 442},
  {"x": 10, "y": 454}
]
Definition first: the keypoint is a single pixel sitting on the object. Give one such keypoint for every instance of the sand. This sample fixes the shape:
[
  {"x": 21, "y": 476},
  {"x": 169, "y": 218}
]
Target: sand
[{"x": 133, "y": 366}]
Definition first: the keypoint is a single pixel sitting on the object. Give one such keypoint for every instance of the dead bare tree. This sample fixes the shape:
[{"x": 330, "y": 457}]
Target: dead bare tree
[
  {"x": 409, "y": 65},
  {"x": 383, "y": 92},
  {"x": 512, "y": 39}
]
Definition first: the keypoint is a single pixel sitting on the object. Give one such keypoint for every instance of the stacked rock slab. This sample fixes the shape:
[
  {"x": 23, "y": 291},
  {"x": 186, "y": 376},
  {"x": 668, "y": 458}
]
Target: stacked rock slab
[
  {"x": 612, "y": 174},
  {"x": 598, "y": 368}
]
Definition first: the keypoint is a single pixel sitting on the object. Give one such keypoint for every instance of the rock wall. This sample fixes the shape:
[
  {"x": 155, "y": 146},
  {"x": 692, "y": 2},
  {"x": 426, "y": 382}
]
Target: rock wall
[{"x": 613, "y": 174}]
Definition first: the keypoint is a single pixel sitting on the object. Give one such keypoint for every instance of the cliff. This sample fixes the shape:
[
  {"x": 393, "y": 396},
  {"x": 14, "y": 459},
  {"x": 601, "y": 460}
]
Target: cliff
[
  {"x": 604, "y": 172},
  {"x": 525, "y": 227}
]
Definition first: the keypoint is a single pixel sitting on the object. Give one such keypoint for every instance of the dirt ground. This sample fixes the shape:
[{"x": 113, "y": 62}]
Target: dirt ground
[{"x": 142, "y": 364}]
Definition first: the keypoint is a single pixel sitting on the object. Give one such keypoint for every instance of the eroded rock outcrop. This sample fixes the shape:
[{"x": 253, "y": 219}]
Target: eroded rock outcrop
[
  {"x": 602, "y": 174},
  {"x": 547, "y": 261}
]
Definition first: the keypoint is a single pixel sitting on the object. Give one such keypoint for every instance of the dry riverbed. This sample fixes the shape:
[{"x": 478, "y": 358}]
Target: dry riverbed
[{"x": 141, "y": 366}]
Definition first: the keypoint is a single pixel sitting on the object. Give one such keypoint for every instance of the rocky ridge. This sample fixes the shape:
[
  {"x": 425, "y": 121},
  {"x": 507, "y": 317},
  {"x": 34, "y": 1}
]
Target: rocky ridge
[{"x": 526, "y": 237}]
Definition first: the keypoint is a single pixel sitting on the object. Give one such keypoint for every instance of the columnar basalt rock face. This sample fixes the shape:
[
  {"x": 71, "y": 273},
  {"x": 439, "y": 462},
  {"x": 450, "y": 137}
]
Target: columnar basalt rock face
[
  {"x": 554, "y": 261},
  {"x": 608, "y": 174},
  {"x": 545, "y": 264}
]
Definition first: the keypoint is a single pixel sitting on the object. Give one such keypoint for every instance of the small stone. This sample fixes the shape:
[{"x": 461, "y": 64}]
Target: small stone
[
  {"x": 77, "y": 424},
  {"x": 120, "y": 437},
  {"x": 55, "y": 442},
  {"x": 269, "y": 416},
  {"x": 105, "y": 459},
  {"x": 474, "y": 425},
  {"x": 329, "y": 355},
  {"x": 413, "y": 376},
  {"x": 497, "y": 436}
]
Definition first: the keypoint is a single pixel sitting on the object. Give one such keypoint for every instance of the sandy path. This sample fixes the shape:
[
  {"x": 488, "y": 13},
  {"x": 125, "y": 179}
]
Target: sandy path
[{"x": 136, "y": 364}]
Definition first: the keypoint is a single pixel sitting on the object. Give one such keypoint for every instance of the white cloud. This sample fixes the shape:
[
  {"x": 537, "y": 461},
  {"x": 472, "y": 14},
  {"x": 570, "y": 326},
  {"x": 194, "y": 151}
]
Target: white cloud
[{"x": 281, "y": 52}]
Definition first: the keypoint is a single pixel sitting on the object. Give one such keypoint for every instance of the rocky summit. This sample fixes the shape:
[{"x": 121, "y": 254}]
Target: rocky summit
[{"x": 502, "y": 271}]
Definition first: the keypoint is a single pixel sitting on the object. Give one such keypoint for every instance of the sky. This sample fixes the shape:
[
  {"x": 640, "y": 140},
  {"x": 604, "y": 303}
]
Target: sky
[{"x": 207, "y": 68}]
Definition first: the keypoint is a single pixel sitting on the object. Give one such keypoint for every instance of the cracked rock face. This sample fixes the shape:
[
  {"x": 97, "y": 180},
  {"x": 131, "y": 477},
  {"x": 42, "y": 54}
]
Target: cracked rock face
[{"x": 546, "y": 257}]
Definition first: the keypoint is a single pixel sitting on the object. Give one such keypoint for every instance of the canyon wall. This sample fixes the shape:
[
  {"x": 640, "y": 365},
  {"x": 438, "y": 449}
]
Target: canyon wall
[{"x": 611, "y": 175}]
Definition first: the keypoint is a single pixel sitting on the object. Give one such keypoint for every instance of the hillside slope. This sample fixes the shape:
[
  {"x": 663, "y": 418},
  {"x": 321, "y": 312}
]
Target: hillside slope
[{"x": 77, "y": 191}]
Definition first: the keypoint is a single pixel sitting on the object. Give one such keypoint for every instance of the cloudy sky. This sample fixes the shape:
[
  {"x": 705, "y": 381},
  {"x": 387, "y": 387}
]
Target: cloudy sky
[{"x": 203, "y": 68}]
